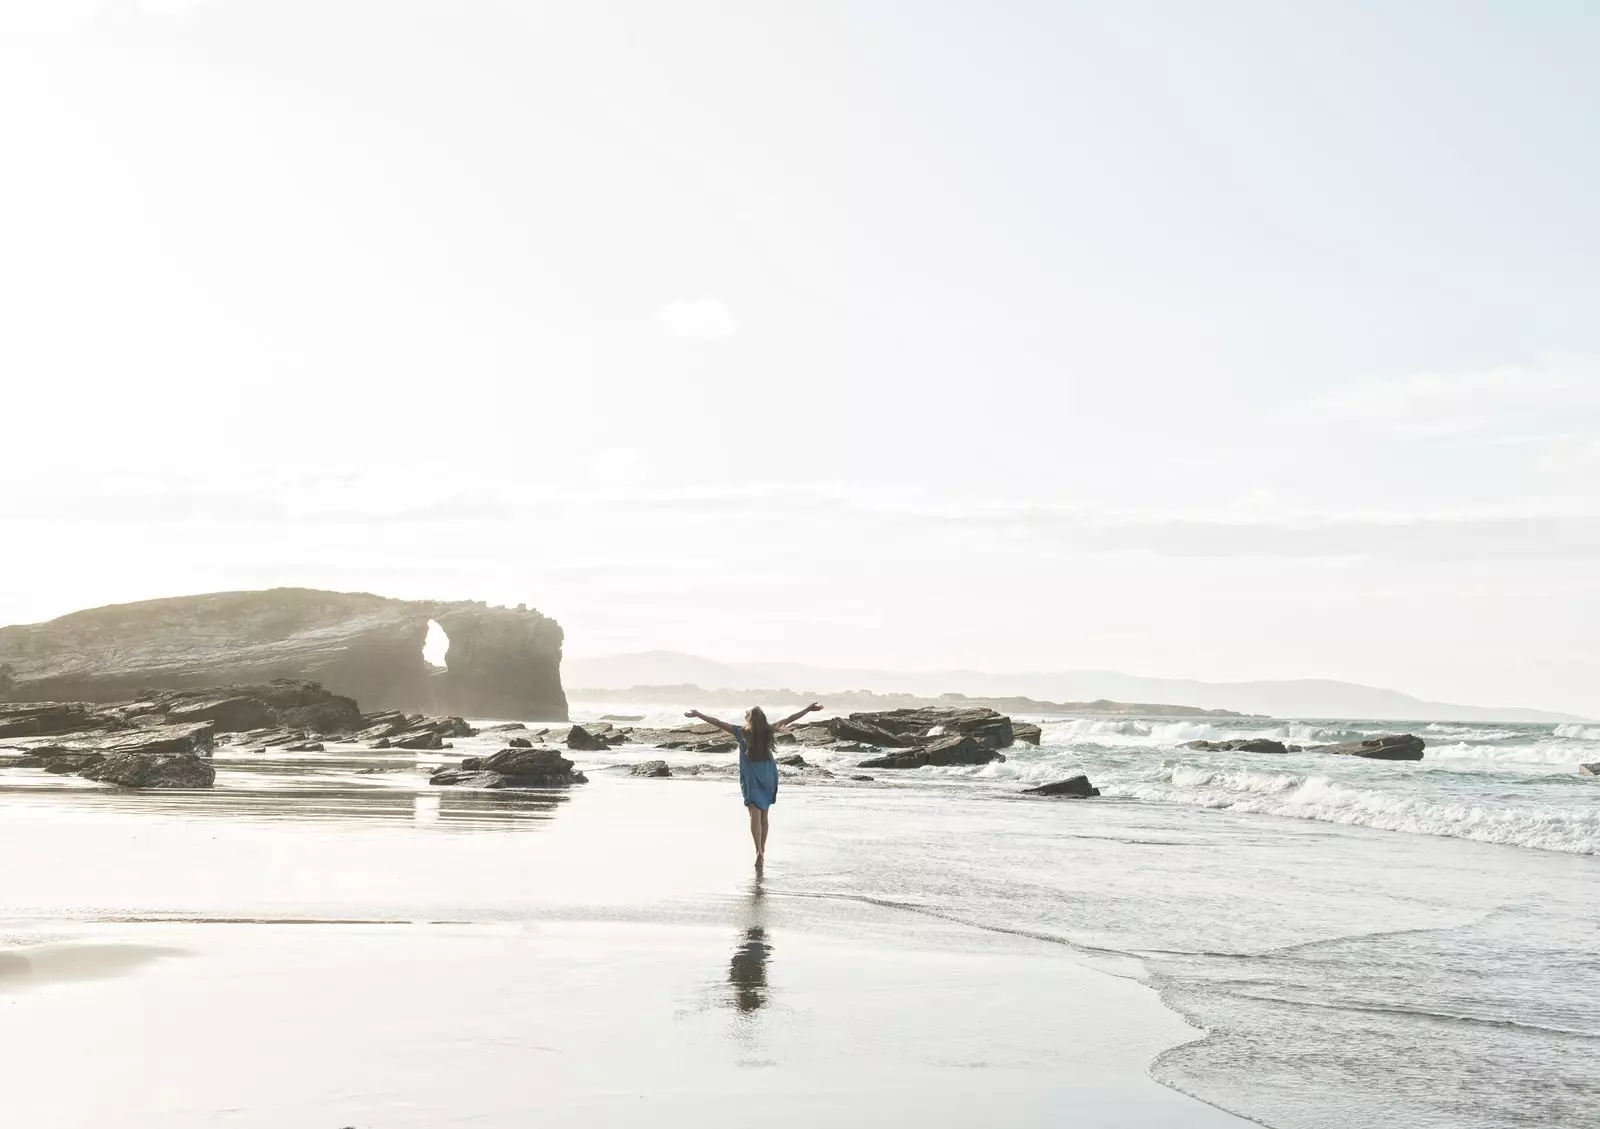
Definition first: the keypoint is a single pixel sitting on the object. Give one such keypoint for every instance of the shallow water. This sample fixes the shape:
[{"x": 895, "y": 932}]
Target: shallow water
[{"x": 1358, "y": 940}]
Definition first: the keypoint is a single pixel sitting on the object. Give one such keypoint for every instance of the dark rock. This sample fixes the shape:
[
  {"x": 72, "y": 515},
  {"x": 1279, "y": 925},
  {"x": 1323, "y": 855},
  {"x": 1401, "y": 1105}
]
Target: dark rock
[
  {"x": 194, "y": 737},
  {"x": 866, "y": 779},
  {"x": 919, "y": 725},
  {"x": 1391, "y": 747},
  {"x": 157, "y": 770},
  {"x": 304, "y": 747},
  {"x": 1589, "y": 769},
  {"x": 520, "y": 743},
  {"x": 512, "y": 768},
  {"x": 1072, "y": 786},
  {"x": 857, "y": 728},
  {"x": 377, "y": 726},
  {"x": 49, "y": 719},
  {"x": 651, "y": 768},
  {"x": 1026, "y": 732},
  {"x": 503, "y": 727},
  {"x": 381, "y": 743},
  {"x": 57, "y": 760},
  {"x": 1239, "y": 745},
  {"x": 784, "y": 738},
  {"x": 581, "y": 740},
  {"x": 816, "y": 733},
  {"x": 793, "y": 760},
  {"x": 470, "y": 763},
  {"x": 422, "y": 739},
  {"x": 230, "y": 714},
  {"x": 960, "y": 749}
]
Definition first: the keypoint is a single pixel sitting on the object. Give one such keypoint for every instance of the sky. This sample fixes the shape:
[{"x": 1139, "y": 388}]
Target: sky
[{"x": 1223, "y": 340}]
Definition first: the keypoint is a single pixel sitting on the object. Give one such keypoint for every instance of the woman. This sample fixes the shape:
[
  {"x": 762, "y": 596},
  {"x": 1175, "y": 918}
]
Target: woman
[{"x": 758, "y": 771}]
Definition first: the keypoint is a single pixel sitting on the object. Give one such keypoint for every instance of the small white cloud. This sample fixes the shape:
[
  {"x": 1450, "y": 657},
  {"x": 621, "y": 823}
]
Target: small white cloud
[{"x": 704, "y": 320}]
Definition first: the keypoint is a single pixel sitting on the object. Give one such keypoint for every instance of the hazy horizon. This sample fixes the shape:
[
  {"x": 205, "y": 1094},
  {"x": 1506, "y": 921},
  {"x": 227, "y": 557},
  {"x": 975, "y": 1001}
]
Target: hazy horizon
[{"x": 1234, "y": 342}]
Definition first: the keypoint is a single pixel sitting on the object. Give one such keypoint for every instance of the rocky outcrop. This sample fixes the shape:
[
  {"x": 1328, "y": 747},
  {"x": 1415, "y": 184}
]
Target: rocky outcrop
[
  {"x": 1026, "y": 733},
  {"x": 512, "y": 768},
  {"x": 1072, "y": 786},
  {"x": 580, "y": 740},
  {"x": 501, "y": 662},
  {"x": 1589, "y": 769},
  {"x": 1393, "y": 747},
  {"x": 651, "y": 768},
  {"x": 158, "y": 770},
  {"x": 1239, "y": 745},
  {"x": 961, "y": 749}
]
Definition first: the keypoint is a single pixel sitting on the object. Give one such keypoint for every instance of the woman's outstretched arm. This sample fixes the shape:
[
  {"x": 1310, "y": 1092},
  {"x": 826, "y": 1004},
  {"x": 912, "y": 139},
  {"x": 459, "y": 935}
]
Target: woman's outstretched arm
[
  {"x": 812, "y": 708},
  {"x": 718, "y": 722}
]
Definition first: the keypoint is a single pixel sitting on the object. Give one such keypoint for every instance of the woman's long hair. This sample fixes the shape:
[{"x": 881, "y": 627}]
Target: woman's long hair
[{"x": 757, "y": 735}]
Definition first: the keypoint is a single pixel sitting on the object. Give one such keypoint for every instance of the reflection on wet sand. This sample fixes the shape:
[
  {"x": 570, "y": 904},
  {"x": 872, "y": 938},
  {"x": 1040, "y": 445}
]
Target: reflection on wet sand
[
  {"x": 747, "y": 970},
  {"x": 302, "y": 794}
]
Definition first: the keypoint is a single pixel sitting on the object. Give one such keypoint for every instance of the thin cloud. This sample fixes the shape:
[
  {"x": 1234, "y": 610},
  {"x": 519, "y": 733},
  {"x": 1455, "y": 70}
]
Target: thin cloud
[
  {"x": 1545, "y": 397},
  {"x": 705, "y": 319}
]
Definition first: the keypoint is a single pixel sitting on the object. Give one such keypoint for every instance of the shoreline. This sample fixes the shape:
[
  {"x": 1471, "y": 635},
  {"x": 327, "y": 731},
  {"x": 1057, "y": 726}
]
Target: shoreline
[{"x": 640, "y": 976}]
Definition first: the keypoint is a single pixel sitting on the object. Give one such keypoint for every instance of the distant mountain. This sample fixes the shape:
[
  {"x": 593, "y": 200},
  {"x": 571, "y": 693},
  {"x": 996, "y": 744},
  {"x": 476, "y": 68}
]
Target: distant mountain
[{"x": 1297, "y": 698}]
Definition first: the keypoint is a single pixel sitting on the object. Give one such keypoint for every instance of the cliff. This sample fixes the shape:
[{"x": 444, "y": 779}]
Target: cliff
[{"x": 502, "y": 662}]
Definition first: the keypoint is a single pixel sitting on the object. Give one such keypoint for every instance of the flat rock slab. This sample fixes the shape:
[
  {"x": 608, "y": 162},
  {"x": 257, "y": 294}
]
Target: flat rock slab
[
  {"x": 1392, "y": 747},
  {"x": 1240, "y": 745},
  {"x": 158, "y": 770},
  {"x": 963, "y": 749},
  {"x": 194, "y": 737}
]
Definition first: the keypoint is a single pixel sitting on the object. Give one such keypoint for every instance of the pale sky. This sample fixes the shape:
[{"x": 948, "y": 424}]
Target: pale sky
[{"x": 1221, "y": 340}]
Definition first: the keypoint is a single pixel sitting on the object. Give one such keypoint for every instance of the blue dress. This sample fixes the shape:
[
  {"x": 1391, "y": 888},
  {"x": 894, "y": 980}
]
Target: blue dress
[{"x": 758, "y": 780}]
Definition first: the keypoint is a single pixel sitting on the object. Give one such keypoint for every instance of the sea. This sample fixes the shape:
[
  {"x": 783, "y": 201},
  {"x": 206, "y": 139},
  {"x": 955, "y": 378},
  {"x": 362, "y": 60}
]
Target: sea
[
  {"x": 1351, "y": 942},
  {"x": 1356, "y": 942}
]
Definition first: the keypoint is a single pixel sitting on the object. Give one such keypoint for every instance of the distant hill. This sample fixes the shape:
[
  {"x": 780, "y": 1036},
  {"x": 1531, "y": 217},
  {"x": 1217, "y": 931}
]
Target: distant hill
[
  {"x": 1297, "y": 698},
  {"x": 842, "y": 701}
]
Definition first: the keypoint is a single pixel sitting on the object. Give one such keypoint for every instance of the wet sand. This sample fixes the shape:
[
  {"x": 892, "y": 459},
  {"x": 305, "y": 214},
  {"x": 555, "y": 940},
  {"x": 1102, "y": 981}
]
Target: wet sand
[{"x": 608, "y": 959}]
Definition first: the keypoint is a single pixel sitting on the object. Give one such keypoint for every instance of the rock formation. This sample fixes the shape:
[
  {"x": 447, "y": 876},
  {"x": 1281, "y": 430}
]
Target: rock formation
[
  {"x": 1239, "y": 745},
  {"x": 1392, "y": 747},
  {"x": 1589, "y": 769},
  {"x": 501, "y": 662},
  {"x": 512, "y": 768}
]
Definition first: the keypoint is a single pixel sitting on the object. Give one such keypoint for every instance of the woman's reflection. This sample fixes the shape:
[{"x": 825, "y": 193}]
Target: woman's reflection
[{"x": 747, "y": 970}]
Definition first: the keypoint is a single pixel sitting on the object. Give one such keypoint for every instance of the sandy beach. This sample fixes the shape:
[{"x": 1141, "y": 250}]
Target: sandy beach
[{"x": 609, "y": 959}]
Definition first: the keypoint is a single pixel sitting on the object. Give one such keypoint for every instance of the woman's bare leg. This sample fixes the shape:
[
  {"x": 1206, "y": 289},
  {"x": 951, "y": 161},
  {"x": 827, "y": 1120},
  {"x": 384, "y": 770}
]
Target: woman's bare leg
[
  {"x": 761, "y": 846},
  {"x": 757, "y": 830}
]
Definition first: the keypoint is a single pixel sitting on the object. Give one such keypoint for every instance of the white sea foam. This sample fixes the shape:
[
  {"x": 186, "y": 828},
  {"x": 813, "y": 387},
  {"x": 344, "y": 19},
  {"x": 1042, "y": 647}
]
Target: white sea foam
[
  {"x": 1574, "y": 829},
  {"x": 1579, "y": 732}
]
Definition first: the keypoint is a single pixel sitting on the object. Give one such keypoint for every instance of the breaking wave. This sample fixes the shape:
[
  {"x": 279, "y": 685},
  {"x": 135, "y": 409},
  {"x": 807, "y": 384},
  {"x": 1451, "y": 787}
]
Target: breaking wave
[{"x": 1575, "y": 830}]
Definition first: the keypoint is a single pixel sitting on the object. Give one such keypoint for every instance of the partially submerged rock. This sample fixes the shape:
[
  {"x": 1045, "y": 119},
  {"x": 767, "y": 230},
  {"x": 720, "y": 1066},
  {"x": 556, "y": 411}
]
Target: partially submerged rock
[
  {"x": 793, "y": 760},
  {"x": 1026, "y": 732},
  {"x": 1392, "y": 747},
  {"x": 963, "y": 749},
  {"x": 512, "y": 768},
  {"x": 49, "y": 719},
  {"x": 1072, "y": 786},
  {"x": 1589, "y": 769},
  {"x": 157, "y": 770},
  {"x": 1239, "y": 745},
  {"x": 581, "y": 740},
  {"x": 651, "y": 768}
]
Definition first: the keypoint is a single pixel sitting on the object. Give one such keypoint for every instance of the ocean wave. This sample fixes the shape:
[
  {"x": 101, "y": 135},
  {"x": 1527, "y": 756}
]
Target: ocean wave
[
  {"x": 1543, "y": 752},
  {"x": 1576, "y": 732},
  {"x": 1320, "y": 798}
]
